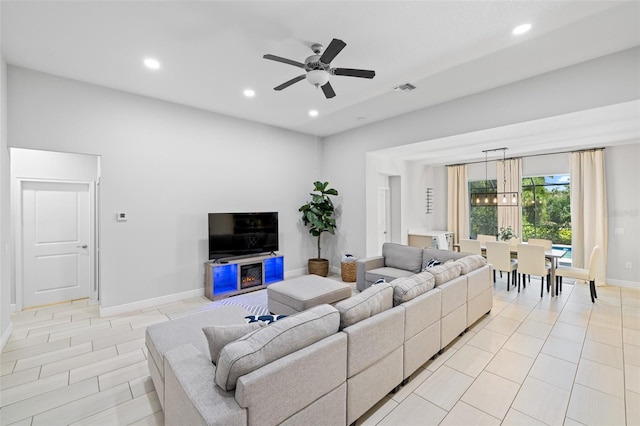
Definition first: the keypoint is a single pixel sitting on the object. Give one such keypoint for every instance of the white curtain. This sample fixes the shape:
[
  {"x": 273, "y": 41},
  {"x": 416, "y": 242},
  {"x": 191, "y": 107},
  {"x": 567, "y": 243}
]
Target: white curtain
[
  {"x": 588, "y": 209},
  {"x": 509, "y": 179},
  {"x": 458, "y": 202}
]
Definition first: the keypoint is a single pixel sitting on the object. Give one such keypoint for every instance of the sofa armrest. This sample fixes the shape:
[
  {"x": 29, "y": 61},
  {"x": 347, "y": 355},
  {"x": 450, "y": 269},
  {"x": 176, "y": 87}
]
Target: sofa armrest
[
  {"x": 191, "y": 395},
  {"x": 364, "y": 265}
]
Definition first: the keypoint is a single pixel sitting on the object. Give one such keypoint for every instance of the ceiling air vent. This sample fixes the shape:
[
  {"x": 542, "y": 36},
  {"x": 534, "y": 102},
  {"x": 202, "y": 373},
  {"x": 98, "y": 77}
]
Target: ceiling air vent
[{"x": 406, "y": 87}]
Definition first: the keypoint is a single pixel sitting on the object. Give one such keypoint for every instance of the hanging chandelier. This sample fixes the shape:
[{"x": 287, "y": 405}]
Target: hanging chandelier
[{"x": 490, "y": 196}]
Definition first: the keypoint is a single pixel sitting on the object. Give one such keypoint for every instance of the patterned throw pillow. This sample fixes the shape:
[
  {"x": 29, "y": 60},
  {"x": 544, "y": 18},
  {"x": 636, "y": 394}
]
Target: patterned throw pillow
[
  {"x": 267, "y": 319},
  {"x": 431, "y": 263}
]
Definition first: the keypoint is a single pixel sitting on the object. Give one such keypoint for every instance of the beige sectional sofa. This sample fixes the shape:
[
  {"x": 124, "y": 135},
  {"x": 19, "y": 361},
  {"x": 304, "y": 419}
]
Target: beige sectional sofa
[{"x": 326, "y": 365}]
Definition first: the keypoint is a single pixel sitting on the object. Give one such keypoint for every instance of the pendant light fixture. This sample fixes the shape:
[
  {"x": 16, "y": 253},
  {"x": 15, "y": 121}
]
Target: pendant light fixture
[{"x": 493, "y": 197}]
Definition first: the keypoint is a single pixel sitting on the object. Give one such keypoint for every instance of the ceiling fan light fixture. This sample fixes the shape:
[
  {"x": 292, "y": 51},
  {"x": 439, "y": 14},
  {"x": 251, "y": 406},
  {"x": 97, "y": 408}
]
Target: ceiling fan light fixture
[{"x": 317, "y": 77}]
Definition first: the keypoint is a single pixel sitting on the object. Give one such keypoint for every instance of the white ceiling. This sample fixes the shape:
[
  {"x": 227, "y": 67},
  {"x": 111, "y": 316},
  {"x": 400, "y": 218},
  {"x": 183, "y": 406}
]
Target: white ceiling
[{"x": 212, "y": 50}]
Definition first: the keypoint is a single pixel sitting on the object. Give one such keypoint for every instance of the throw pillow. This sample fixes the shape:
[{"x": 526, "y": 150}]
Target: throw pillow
[
  {"x": 431, "y": 263},
  {"x": 267, "y": 319},
  {"x": 218, "y": 336}
]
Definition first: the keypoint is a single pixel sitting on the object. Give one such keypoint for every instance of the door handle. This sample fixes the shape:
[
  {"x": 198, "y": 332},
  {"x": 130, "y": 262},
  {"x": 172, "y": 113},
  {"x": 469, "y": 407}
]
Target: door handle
[{"x": 84, "y": 246}]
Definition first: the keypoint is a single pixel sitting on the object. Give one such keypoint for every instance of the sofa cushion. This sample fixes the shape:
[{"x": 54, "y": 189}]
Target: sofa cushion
[
  {"x": 471, "y": 263},
  {"x": 445, "y": 272},
  {"x": 405, "y": 289},
  {"x": 218, "y": 336},
  {"x": 402, "y": 257},
  {"x": 365, "y": 304},
  {"x": 388, "y": 274},
  {"x": 268, "y": 344}
]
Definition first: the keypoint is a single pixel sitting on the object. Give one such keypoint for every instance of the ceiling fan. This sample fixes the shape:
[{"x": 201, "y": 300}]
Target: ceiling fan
[{"x": 318, "y": 67}]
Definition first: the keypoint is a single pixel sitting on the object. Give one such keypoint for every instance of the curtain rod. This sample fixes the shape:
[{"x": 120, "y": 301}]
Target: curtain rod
[{"x": 523, "y": 156}]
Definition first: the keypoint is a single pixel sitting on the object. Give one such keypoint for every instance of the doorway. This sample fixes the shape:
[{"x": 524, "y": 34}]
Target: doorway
[
  {"x": 57, "y": 237},
  {"x": 55, "y": 197}
]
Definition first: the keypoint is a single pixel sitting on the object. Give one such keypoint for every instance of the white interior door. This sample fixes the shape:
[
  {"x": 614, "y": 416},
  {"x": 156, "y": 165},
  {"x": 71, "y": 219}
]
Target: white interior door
[
  {"x": 383, "y": 216},
  {"x": 57, "y": 241}
]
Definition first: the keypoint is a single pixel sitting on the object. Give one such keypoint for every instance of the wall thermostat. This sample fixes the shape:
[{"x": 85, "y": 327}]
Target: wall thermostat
[{"x": 122, "y": 217}]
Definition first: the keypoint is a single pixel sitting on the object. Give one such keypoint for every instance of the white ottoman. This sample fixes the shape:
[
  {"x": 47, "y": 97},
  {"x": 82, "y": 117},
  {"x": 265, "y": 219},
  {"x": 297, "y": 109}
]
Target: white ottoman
[{"x": 301, "y": 293}]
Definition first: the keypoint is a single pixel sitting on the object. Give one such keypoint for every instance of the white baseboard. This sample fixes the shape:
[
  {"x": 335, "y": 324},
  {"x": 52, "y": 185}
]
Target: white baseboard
[
  {"x": 295, "y": 273},
  {"x": 147, "y": 303},
  {"x": 623, "y": 283},
  {"x": 5, "y": 335}
]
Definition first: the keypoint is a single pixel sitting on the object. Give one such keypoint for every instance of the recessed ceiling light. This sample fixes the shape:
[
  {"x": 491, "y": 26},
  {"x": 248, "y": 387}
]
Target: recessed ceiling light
[
  {"x": 151, "y": 63},
  {"x": 521, "y": 29},
  {"x": 313, "y": 113},
  {"x": 249, "y": 93}
]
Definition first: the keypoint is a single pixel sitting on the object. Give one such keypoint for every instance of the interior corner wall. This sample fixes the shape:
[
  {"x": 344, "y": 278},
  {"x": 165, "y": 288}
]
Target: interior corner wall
[
  {"x": 5, "y": 230},
  {"x": 167, "y": 166},
  {"x": 623, "y": 214},
  {"x": 608, "y": 80}
]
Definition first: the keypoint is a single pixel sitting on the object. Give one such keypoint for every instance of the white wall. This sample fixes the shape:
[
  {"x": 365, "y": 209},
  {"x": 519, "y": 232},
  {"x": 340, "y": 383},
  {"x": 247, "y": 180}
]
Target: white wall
[
  {"x": 167, "y": 166},
  {"x": 604, "y": 81},
  {"x": 623, "y": 211},
  {"x": 5, "y": 234}
]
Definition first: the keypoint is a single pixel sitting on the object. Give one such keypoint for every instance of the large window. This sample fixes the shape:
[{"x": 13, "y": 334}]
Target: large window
[{"x": 546, "y": 211}]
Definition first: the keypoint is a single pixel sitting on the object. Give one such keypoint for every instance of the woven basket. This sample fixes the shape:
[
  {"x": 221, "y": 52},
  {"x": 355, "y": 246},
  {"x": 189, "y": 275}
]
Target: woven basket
[
  {"x": 318, "y": 267},
  {"x": 348, "y": 272}
]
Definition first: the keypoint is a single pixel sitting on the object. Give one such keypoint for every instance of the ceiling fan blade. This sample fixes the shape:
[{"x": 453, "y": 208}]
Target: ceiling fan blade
[
  {"x": 284, "y": 60},
  {"x": 328, "y": 91},
  {"x": 332, "y": 50},
  {"x": 290, "y": 82},
  {"x": 350, "y": 72}
]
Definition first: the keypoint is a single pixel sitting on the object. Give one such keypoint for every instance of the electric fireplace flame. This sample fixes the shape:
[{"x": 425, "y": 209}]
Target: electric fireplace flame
[{"x": 250, "y": 275}]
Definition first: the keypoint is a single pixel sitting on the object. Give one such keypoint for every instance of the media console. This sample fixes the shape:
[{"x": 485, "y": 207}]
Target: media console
[{"x": 241, "y": 275}]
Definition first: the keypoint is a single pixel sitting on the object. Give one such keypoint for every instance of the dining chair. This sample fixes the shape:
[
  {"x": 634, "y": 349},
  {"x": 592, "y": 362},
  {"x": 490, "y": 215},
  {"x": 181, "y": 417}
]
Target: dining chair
[
  {"x": 583, "y": 274},
  {"x": 470, "y": 246},
  {"x": 547, "y": 244},
  {"x": 499, "y": 256},
  {"x": 541, "y": 242},
  {"x": 531, "y": 261},
  {"x": 483, "y": 238}
]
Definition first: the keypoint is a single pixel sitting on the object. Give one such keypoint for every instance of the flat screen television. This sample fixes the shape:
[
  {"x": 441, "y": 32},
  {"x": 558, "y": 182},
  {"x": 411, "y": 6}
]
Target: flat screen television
[{"x": 242, "y": 234}]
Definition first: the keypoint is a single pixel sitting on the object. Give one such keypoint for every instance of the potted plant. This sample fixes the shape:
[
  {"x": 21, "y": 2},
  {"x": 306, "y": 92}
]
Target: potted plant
[
  {"x": 317, "y": 214},
  {"x": 507, "y": 233}
]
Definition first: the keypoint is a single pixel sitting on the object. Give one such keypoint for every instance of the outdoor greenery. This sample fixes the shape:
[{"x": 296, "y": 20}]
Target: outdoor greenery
[{"x": 546, "y": 210}]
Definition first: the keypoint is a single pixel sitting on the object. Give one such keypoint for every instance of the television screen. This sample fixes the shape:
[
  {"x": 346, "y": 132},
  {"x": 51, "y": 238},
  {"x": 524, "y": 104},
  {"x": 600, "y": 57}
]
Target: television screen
[{"x": 241, "y": 234}]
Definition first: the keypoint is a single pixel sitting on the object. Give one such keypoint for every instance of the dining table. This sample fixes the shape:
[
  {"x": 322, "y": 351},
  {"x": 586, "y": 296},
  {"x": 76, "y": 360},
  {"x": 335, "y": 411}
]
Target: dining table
[{"x": 552, "y": 254}]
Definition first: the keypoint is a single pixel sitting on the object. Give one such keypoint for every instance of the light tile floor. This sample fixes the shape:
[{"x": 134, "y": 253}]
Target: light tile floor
[{"x": 530, "y": 361}]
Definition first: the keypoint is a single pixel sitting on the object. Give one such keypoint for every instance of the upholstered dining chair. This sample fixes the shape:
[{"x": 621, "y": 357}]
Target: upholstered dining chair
[
  {"x": 483, "y": 238},
  {"x": 499, "y": 256},
  {"x": 470, "y": 246},
  {"x": 541, "y": 242},
  {"x": 531, "y": 261},
  {"x": 583, "y": 274},
  {"x": 547, "y": 244}
]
